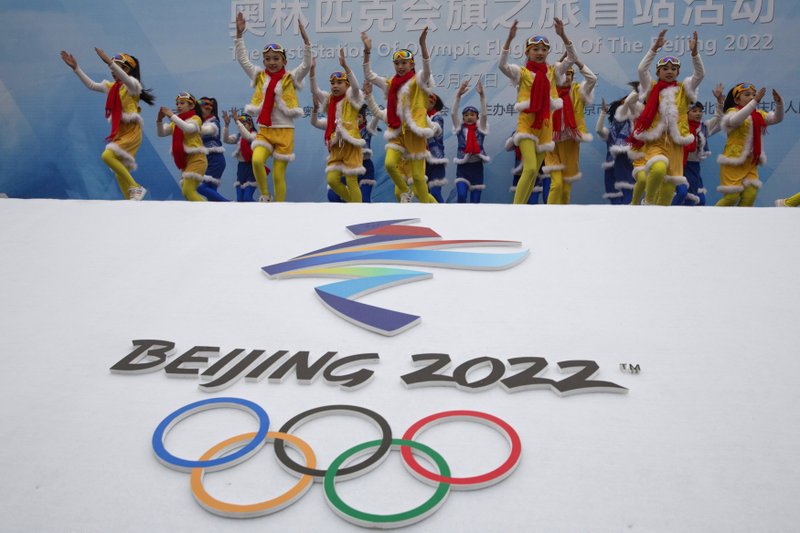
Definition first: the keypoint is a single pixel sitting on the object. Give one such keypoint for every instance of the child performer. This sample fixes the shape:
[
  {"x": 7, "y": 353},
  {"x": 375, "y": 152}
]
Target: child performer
[
  {"x": 471, "y": 154},
  {"x": 569, "y": 130},
  {"x": 188, "y": 151},
  {"x": 536, "y": 96},
  {"x": 663, "y": 127},
  {"x": 246, "y": 185},
  {"x": 409, "y": 127},
  {"x": 123, "y": 111},
  {"x": 212, "y": 140},
  {"x": 542, "y": 184},
  {"x": 745, "y": 126},
  {"x": 435, "y": 161},
  {"x": 342, "y": 133},
  {"x": 275, "y": 104},
  {"x": 619, "y": 181},
  {"x": 695, "y": 193}
]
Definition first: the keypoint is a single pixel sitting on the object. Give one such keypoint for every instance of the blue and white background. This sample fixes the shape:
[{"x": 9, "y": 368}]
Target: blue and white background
[{"x": 54, "y": 128}]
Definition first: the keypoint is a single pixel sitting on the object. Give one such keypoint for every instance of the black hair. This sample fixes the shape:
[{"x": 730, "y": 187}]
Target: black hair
[
  {"x": 363, "y": 110},
  {"x": 438, "y": 105},
  {"x": 730, "y": 101},
  {"x": 147, "y": 94},
  {"x": 698, "y": 104},
  {"x": 612, "y": 109},
  {"x": 214, "y": 109}
]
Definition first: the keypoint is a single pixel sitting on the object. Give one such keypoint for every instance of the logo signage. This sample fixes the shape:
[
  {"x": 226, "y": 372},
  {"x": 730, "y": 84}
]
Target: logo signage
[
  {"x": 386, "y": 242},
  {"x": 352, "y": 463}
]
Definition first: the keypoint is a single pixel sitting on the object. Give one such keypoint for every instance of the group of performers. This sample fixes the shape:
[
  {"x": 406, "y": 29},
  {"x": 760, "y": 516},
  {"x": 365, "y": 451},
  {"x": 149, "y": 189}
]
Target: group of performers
[{"x": 656, "y": 137}]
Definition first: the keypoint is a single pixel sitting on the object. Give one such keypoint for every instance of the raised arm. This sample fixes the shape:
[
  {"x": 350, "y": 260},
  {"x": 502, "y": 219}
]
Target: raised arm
[
  {"x": 600, "y": 127},
  {"x": 301, "y": 71},
  {"x": 187, "y": 127},
  {"x": 356, "y": 98},
  {"x": 455, "y": 110},
  {"x": 714, "y": 124},
  {"x": 241, "y": 52},
  {"x": 647, "y": 61},
  {"x": 90, "y": 84},
  {"x": 589, "y": 82},
  {"x": 369, "y": 75},
  {"x": 483, "y": 123},
  {"x": 316, "y": 93},
  {"x": 132, "y": 84},
  {"x": 773, "y": 117},
  {"x": 511, "y": 71},
  {"x": 571, "y": 57},
  {"x": 315, "y": 120},
  {"x": 697, "y": 62},
  {"x": 734, "y": 120},
  {"x": 162, "y": 129}
]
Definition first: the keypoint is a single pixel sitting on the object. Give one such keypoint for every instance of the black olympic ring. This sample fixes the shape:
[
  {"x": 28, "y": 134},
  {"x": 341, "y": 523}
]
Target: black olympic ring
[{"x": 369, "y": 463}]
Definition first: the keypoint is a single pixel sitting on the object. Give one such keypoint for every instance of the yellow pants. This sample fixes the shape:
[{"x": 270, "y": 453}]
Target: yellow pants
[
  {"x": 560, "y": 190},
  {"x": 531, "y": 161},
  {"x": 349, "y": 193},
  {"x": 793, "y": 201},
  {"x": 260, "y": 156},
  {"x": 639, "y": 186},
  {"x": 745, "y": 198},
  {"x": 121, "y": 172},
  {"x": 417, "y": 174}
]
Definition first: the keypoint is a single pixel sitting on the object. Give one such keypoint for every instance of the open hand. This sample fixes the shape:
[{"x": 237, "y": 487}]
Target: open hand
[{"x": 69, "y": 59}]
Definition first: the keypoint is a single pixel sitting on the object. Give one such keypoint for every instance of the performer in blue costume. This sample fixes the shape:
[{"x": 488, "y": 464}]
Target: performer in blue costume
[
  {"x": 212, "y": 140},
  {"x": 471, "y": 129}
]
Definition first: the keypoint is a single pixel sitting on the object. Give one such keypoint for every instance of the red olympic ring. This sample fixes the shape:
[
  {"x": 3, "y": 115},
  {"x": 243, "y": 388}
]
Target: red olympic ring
[{"x": 472, "y": 482}]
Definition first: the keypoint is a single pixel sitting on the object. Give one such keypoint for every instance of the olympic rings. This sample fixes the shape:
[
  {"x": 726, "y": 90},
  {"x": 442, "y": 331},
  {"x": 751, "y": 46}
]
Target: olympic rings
[
  {"x": 473, "y": 482},
  {"x": 218, "y": 507},
  {"x": 406, "y": 518},
  {"x": 345, "y": 473},
  {"x": 241, "y": 447},
  {"x": 185, "y": 465}
]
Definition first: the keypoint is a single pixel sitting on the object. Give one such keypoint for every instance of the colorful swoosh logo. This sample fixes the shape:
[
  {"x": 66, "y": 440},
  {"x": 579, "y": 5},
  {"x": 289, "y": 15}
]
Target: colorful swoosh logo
[{"x": 386, "y": 242}]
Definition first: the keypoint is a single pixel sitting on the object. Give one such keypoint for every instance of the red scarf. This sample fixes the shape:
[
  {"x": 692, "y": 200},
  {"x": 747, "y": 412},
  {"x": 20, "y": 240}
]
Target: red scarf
[
  {"x": 540, "y": 93},
  {"x": 265, "y": 117},
  {"x": 392, "y": 118},
  {"x": 114, "y": 109},
  {"x": 567, "y": 112},
  {"x": 245, "y": 150},
  {"x": 178, "y": 152},
  {"x": 645, "y": 120},
  {"x": 472, "y": 140},
  {"x": 332, "y": 102},
  {"x": 689, "y": 148},
  {"x": 759, "y": 128}
]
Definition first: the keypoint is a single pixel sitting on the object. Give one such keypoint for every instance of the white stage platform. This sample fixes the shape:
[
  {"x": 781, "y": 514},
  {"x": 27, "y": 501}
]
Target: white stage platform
[{"x": 703, "y": 301}]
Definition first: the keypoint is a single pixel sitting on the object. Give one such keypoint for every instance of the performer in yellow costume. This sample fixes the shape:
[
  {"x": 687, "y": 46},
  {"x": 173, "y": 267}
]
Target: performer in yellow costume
[
  {"x": 409, "y": 126},
  {"x": 275, "y": 105},
  {"x": 662, "y": 129},
  {"x": 187, "y": 150},
  {"x": 745, "y": 126},
  {"x": 536, "y": 97},
  {"x": 569, "y": 131},
  {"x": 123, "y": 112},
  {"x": 342, "y": 132}
]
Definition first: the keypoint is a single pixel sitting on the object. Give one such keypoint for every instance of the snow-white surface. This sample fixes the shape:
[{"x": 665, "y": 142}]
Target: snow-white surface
[{"x": 703, "y": 300}]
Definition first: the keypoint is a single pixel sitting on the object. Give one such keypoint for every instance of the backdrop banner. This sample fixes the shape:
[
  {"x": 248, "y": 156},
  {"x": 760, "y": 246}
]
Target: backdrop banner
[{"x": 54, "y": 126}]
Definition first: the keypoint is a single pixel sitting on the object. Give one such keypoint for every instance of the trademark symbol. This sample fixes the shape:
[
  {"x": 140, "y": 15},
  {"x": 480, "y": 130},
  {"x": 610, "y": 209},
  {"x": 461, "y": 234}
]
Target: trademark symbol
[{"x": 629, "y": 368}]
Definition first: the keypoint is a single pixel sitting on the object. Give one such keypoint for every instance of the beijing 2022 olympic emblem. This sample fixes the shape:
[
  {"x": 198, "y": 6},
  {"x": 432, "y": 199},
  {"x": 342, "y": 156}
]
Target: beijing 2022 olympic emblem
[{"x": 386, "y": 242}]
